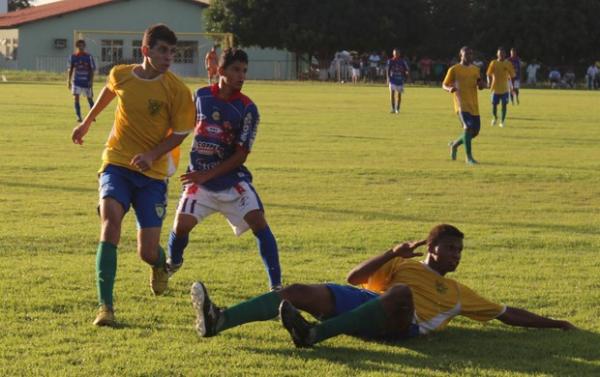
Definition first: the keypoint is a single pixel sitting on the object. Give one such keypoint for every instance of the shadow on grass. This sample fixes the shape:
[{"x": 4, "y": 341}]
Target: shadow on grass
[{"x": 547, "y": 352}]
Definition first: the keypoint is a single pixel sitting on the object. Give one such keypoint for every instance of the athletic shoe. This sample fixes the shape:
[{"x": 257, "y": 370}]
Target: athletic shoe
[
  {"x": 392, "y": 111},
  {"x": 453, "y": 149},
  {"x": 471, "y": 161},
  {"x": 207, "y": 313},
  {"x": 296, "y": 325},
  {"x": 79, "y": 120},
  {"x": 159, "y": 280},
  {"x": 502, "y": 124},
  {"x": 172, "y": 268},
  {"x": 276, "y": 288},
  {"x": 493, "y": 121},
  {"x": 105, "y": 317}
]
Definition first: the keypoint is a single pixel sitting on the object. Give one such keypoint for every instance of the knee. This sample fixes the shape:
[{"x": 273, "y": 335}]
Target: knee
[
  {"x": 110, "y": 227},
  {"x": 399, "y": 294},
  {"x": 148, "y": 253},
  {"x": 295, "y": 292},
  {"x": 184, "y": 226}
]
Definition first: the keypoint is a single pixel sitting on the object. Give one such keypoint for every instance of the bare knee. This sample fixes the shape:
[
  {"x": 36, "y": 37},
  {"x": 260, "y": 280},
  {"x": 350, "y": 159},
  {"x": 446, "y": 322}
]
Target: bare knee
[
  {"x": 399, "y": 294},
  {"x": 111, "y": 231},
  {"x": 184, "y": 224},
  {"x": 295, "y": 293}
]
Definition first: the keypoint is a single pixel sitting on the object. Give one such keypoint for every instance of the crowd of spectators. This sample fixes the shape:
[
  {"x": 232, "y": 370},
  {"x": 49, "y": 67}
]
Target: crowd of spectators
[{"x": 370, "y": 67}]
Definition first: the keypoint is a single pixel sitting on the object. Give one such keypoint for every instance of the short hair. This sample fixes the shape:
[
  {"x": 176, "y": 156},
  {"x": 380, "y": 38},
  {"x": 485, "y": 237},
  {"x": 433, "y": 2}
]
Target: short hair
[
  {"x": 232, "y": 55},
  {"x": 79, "y": 41},
  {"x": 500, "y": 48},
  {"x": 443, "y": 230},
  {"x": 464, "y": 48},
  {"x": 158, "y": 32}
]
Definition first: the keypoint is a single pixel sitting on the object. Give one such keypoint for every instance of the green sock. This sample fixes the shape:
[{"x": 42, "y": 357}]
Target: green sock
[
  {"x": 503, "y": 112},
  {"x": 260, "y": 308},
  {"x": 495, "y": 111},
  {"x": 106, "y": 269},
  {"x": 467, "y": 140},
  {"x": 369, "y": 318},
  {"x": 160, "y": 262},
  {"x": 458, "y": 142}
]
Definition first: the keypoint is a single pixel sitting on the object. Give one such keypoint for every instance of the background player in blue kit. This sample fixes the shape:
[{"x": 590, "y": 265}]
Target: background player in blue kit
[
  {"x": 516, "y": 81},
  {"x": 396, "y": 72},
  {"x": 216, "y": 178},
  {"x": 81, "y": 76}
]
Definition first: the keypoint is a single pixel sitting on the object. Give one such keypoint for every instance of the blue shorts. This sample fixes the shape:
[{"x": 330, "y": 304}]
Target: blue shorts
[
  {"x": 347, "y": 298},
  {"x": 148, "y": 196},
  {"x": 496, "y": 98},
  {"x": 472, "y": 122}
]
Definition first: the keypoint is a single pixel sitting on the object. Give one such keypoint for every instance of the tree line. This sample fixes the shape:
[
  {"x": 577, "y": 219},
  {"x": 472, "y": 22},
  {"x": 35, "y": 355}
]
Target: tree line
[{"x": 553, "y": 31}]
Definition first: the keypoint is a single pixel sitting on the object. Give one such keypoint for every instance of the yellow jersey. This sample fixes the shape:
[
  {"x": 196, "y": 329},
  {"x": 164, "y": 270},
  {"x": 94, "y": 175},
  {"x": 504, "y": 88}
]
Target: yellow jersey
[
  {"x": 464, "y": 78},
  {"x": 437, "y": 299},
  {"x": 501, "y": 72},
  {"x": 147, "y": 112}
]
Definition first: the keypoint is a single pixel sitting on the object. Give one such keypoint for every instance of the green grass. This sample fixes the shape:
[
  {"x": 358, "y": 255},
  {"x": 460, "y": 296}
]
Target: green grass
[{"x": 341, "y": 180}]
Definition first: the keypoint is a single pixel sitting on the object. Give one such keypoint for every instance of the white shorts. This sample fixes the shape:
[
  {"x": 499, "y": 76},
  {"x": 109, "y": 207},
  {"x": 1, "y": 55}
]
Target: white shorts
[
  {"x": 355, "y": 72},
  {"x": 78, "y": 90},
  {"x": 397, "y": 88},
  {"x": 234, "y": 203}
]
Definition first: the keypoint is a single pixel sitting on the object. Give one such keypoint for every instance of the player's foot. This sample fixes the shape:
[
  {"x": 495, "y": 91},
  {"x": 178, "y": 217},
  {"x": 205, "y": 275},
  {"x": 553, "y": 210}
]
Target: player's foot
[
  {"x": 502, "y": 124},
  {"x": 172, "y": 268},
  {"x": 393, "y": 111},
  {"x": 471, "y": 161},
  {"x": 300, "y": 330},
  {"x": 79, "y": 120},
  {"x": 105, "y": 317},
  {"x": 493, "y": 121},
  {"x": 453, "y": 149},
  {"x": 159, "y": 280},
  {"x": 207, "y": 313},
  {"x": 276, "y": 288},
  {"x": 518, "y": 102}
]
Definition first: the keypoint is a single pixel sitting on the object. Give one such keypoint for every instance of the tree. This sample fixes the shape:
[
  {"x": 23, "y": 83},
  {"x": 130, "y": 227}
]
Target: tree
[{"x": 17, "y": 4}]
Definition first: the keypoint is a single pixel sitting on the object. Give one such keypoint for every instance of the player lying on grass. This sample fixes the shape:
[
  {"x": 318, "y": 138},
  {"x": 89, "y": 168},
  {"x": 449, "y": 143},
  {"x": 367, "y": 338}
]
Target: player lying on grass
[{"x": 400, "y": 298}]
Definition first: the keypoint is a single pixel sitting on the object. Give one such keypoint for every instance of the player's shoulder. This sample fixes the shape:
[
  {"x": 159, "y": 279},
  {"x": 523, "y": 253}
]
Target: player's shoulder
[
  {"x": 121, "y": 70},
  {"x": 245, "y": 100},
  {"x": 203, "y": 91},
  {"x": 175, "y": 81}
]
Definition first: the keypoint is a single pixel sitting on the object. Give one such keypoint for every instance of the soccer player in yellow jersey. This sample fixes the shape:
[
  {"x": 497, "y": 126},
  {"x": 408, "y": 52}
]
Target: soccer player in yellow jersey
[
  {"x": 499, "y": 73},
  {"x": 398, "y": 298},
  {"x": 463, "y": 80},
  {"x": 155, "y": 112}
]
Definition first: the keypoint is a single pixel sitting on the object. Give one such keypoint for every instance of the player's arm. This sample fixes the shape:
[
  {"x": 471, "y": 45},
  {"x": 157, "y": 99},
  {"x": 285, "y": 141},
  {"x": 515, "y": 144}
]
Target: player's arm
[
  {"x": 106, "y": 96},
  {"x": 521, "y": 317},
  {"x": 489, "y": 73},
  {"x": 448, "y": 83},
  {"x": 199, "y": 177},
  {"x": 143, "y": 161},
  {"x": 361, "y": 273},
  {"x": 70, "y": 76}
]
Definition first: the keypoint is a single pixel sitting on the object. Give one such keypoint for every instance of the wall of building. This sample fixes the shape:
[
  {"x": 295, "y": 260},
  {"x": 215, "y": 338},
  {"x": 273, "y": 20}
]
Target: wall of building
[{"x": 41, "y": 43}]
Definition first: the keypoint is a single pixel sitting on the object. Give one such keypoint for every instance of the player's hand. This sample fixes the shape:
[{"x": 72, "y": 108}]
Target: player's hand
[
  {"x": 79, "y": 132},
  {"x": 407, "y": 249},
  {"x": 142, "y": 161},
  {"x": 194, "y": 177}
]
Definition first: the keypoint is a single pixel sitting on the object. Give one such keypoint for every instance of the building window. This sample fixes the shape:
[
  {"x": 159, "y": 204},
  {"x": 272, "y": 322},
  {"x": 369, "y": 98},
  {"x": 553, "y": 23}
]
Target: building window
[
  {"x": 186, "y": 52},
  {"x": 112, "y": 50},
  {"x": 136, "y": 52},
  {"x": 8, "y": 48}
]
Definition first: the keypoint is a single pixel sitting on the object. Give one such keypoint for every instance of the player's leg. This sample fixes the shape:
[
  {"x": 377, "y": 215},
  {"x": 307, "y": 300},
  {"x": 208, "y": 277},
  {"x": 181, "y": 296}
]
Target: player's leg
[
  {"x": 389, "y": 315},
  {"x": 458, "y": 142},
  {"x": 495, "y": 101},
  {"x": 76, "y": 104},
  {"x": 115, "y": 196},
  {"x": 399, "y": 101},
  {"x": 504, "y": 100},
  {"x": 150, "y": 204},
  {"x": 90, "y": 97},
  {"x": 392, "y": 102}
]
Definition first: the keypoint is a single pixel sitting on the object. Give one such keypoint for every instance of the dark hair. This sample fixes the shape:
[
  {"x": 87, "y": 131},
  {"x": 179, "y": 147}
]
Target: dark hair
[
  {"x": 443, "y": 230},
  {"x": 501, "y": 49},
  {"x": 158, "y": 32},
  {"x": 232, "y": 55},
  {"x": 79, "y": 41}
]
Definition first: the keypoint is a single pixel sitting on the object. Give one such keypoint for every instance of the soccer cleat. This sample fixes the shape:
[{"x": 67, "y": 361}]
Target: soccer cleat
[
  {"x": 493, "y": 121},
  {"x": 159, "y": 280},
  {"x": 105, "y": 317},
  {"x": 502, "y": 124},
  {"x": 453, "y": 149},
  {"x": 172, "y": 268},
  {"x": 471, "y": 161},
  {"x": 207, "y": 313},
  {"x": 299, "y": 329},
  {"x": 393, "y": 111}
]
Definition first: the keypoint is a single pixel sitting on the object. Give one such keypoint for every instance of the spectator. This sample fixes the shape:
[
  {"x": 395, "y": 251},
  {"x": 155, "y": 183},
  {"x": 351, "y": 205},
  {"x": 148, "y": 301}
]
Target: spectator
[
  {"x": 532, "y": 69},
  {"x": 425, "y": 65},
  {"x": 374, "y": 60},
  {"x": 569, "y": 78},
  {"x": 554, "y": 77},
  {"x": 591, "y": 76},
  {"x": 355, "y": 68}
]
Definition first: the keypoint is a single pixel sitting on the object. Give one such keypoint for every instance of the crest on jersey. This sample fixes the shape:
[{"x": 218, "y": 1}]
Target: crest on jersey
[
  {"x": 216, "y": 116},
  {"x": 440, "y": 287},
  {"x": 154, "y": 106},
  {"x": 161, "y": 210}
]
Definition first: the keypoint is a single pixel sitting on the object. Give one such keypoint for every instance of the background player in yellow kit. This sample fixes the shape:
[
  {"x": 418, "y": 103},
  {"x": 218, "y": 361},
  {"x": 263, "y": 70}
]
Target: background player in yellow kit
[
  {"x": 154, "y": 114},
  {"x": 499, "y": 73}
]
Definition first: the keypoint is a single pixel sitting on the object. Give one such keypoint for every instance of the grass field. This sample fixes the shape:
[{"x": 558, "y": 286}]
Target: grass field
[{"x": 342, "y": 180}]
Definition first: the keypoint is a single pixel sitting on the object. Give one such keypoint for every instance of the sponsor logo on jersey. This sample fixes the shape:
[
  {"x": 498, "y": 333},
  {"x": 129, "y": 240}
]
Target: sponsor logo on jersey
[
  {"x": 216, "y": 116},
  {"x": 440, "y": 287},
  {"x": 154, "y": 106}
]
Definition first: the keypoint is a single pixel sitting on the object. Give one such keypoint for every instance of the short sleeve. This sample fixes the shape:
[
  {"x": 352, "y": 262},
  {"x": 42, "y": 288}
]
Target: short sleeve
[
  {"x": 380, "y": 279},
  {"x": 250, "y": 122},
  {"x": 111, "y": 80},
  {"x": 449, "y": 79},
  {"x": 490, "y": 69},
  {"x": 476, "y": 307},
  {"x": 183, "y": 111}
]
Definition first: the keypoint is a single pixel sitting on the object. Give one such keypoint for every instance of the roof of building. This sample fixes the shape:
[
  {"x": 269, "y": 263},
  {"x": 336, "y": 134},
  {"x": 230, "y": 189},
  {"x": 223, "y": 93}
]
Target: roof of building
[{"x": 56, "y": 9}]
